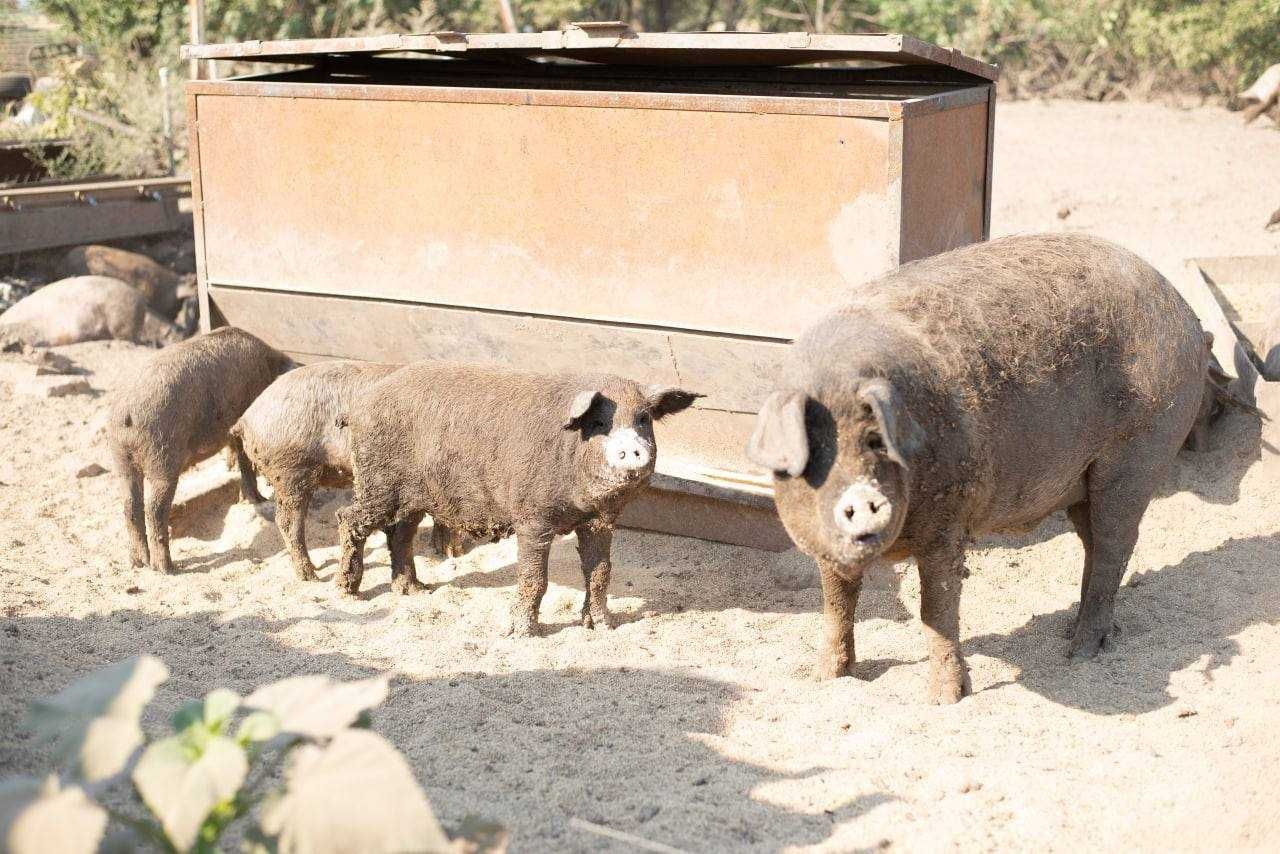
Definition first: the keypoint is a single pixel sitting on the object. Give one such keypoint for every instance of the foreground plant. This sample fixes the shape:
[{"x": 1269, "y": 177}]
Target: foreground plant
[{"x": 345, "y": 788}]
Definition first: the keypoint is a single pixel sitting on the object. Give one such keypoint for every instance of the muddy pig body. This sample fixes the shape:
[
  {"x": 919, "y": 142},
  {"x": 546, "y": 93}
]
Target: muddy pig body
[
  {"x": 980, "y": 391},
  {"x": 89, "y": 308},
  {"x": 290, "y": 434},
  {"x": 488, "y": 451},
  {"x": 178, "y": 412}
]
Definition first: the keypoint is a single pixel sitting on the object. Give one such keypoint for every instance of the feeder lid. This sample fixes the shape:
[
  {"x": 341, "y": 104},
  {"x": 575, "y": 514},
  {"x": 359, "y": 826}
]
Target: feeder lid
[{"x": 613, "y": 42}]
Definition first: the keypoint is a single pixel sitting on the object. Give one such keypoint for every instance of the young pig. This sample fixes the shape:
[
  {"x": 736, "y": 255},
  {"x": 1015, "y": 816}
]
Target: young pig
[
  {"x": 88, "y": 308},
  {"x": 291, "y": 435},
  {"x": 180, "y": 411},
  {"x": 490, "y": 452},
  {"x": 980, "y": 391}
]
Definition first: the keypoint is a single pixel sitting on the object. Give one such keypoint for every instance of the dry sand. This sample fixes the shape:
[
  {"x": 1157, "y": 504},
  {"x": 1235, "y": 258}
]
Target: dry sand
[{"x": 695, "y": 724}]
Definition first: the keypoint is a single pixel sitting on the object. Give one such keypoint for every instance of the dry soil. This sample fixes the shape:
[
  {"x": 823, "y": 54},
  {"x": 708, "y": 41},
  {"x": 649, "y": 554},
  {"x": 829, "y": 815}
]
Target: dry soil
[{"x": 695, "y": 723}]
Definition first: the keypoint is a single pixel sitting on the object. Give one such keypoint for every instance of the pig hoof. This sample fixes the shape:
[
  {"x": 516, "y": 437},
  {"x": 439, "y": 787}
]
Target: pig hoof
[
  {"x": 406, "y": 586},
  {"x": 832, "y": 667},
  {"x": 601, "y": 622},
  {"x": 946, "y": 694},
  {"x": 522, "y": 629},
  {"x": 1086, "y": 645},
  {"x": 308, "y": 574}
]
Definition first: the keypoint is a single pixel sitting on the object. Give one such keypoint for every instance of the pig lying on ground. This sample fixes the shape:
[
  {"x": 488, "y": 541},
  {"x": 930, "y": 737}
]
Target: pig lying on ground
[
  {"x": 291, "y": 435},
  {"x": 87, "y": 308},
  {"x": 490, "y": 452},
  {"x": 159, "y": 285},
  {"x": 974, "y": 392},
  {"x": 180, "y": 411}
]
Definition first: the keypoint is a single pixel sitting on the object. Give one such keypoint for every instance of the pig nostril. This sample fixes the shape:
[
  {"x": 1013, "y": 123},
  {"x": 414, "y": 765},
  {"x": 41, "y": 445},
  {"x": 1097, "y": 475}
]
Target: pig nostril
[
  {"x": 874, "y": 507},
  {"x": 848, "y": 512}
]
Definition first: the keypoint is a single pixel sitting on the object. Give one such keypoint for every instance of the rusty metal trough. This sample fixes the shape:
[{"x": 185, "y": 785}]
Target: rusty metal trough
[{"x": 672, "y": 207}]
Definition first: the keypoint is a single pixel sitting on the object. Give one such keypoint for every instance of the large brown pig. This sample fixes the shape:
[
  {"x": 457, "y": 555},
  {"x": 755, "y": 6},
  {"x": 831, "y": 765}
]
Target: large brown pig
[
  {"x": 291, "y": 435},
  {"x": 489, "y": 452},
  {"x": 177, "y": 412},
  {"x": 980, "y": 391}
]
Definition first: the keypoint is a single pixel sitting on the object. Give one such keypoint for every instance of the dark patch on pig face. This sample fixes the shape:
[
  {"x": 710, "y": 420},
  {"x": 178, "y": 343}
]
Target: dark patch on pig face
[
  {"x": 615, "y": 430},
  {"x": 848, "y": 504}
]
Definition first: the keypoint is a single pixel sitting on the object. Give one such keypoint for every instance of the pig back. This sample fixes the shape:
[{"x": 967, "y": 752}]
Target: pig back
[
  {"x": 192, "y": 392},
  {"x": 295, "y": 421},
  {"x": 476, "y": 447}
]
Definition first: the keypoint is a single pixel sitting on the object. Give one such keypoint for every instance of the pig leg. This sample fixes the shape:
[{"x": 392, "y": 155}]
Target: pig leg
[
  {"x": 293, "y": 498},
  {"x": 532, "y": 549},
  {"x": 594, "y": 544},
  {"x": 400, "y": 537},
  {"x": 355, "y": 523},
  {"x": 134, "y": 516},
  {"x": 157, "y": 512},
  {"x": 248, "y": 478},
  {"x": 941, "y": 573},
  {"x": 1118, "y": 498},
  {"x": 839, "y": 599},
  {"x": 444, "y": 540},
  {"x": 1079, "y": 516}
]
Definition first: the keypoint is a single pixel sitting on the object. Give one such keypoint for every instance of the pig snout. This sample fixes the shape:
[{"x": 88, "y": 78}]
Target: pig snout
[
  {"x": 863, "y": 514},
  {"x": 628, "y": 451}
]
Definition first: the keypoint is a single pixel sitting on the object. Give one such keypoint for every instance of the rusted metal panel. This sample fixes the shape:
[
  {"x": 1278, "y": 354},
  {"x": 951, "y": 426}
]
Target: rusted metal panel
[
  {"x": 944, "y": 198},
  {"x": 554, "y": 211},
  {"x": 658, "y": 214},
  {"x": 622, "y": 46},
  {"x": 686, "y": 508},
  {"x": 735, "y": 372}
]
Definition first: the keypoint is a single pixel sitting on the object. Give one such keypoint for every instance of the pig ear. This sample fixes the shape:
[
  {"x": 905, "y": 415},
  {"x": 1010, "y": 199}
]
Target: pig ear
[
  {"x": 779, "y": 442},
  {"x": 902, "y": 436},
  {"x": 579, "y": 408},
  {"x": 668, "y": 400}
]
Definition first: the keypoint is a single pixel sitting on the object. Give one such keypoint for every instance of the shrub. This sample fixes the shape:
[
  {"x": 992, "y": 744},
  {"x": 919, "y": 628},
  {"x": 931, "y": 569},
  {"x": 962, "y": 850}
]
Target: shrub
[{"x": 345, "y": 788}]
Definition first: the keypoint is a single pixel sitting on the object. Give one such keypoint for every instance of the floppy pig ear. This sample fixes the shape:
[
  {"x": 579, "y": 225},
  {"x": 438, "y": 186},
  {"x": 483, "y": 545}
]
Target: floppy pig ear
[
  {"x": 779, "y": 442},
  {"x": 579, "y": 408},
  {"x": 668, "y": 400},
  {"x": 902, "y": 436}
]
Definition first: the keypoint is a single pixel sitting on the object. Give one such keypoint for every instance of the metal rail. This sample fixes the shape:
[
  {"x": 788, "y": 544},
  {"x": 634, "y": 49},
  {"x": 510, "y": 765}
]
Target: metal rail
[
  {"x": 91, "y": 193},
  {"x": 55, "y": 215}
]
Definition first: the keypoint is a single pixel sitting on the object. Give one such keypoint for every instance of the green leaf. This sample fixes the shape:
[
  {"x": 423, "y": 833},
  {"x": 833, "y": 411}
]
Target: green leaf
[
  {"x": 182, "y": 780},
  {"x": 356, "y": 794},
  {"x": 94, "y": 720},
  {"x": 480, "y": 836},
  {"x": 37, "y": 817},
  {"x": 219, "y": 705},
  {"x": 258, "y": 726},
  {"x": 316, "y": 706},
  {"x": 191, "y": 712}
]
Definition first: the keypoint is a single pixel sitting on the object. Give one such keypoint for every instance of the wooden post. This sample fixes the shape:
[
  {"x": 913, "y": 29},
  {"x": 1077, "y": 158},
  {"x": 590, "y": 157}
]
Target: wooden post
[
  {"x": 197, "y": 33},
  {"x": 507, "y": 16}
]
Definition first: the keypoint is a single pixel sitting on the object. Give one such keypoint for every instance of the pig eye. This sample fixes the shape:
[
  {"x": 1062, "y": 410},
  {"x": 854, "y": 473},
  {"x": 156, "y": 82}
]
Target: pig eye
[
  {"x": 875, "y": 441},
  {"x": 643, "y": 419}
]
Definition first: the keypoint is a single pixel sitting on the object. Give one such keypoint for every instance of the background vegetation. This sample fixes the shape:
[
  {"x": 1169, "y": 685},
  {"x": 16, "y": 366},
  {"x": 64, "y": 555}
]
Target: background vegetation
[{"x": 1096, "y": 49}]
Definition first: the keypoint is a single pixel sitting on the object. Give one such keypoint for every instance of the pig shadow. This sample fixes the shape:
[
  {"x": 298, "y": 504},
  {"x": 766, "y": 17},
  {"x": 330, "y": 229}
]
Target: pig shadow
[
  {"x": 719, "y": 578},
  {"x": 1182, "y": 616},
  {"x": 571, "y": 743}
]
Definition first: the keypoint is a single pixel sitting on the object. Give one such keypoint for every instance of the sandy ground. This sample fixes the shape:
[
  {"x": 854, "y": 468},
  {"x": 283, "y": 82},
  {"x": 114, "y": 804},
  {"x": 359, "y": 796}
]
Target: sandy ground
[{"x": 695, "y": 724}]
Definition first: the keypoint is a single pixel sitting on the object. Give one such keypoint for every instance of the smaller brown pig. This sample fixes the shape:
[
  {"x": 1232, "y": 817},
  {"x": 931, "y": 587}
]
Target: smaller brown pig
[
  {"x": 176, "y": 413},
  {"x": 490, "y": 452},
  {"x": 291, "y": 435}
]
